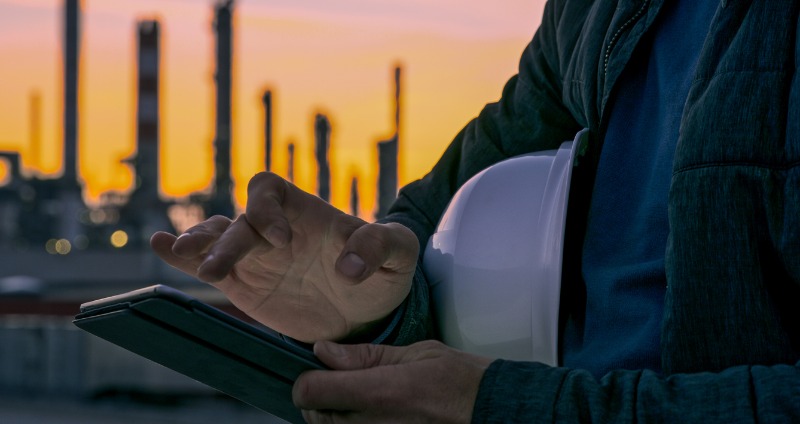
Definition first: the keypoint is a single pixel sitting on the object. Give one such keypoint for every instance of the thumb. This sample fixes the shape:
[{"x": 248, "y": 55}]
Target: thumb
[
  {"x": 371, "y": 247},
  {"x": 356, "y": 356}
]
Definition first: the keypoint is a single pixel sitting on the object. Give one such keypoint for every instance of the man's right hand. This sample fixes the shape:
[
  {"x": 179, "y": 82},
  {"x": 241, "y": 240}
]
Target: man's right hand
[{"x": 297, "y": 264}]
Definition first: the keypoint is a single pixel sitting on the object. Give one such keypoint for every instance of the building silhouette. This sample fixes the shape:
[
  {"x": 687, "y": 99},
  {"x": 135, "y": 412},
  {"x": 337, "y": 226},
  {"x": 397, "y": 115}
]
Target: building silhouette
[
  {"x": 266, "y": 100},
  {"x": 69, "y": 194},
  {"x": 388, "y": 151},
  {"x": 290, "y": 165},
  {"x": 221, "y": 202},
  {"x": 71, "y": 61},
  {"x": 354, "y": 196},
  {"x": 322, "y": 144},
  {"x": 387, "y": 175}
]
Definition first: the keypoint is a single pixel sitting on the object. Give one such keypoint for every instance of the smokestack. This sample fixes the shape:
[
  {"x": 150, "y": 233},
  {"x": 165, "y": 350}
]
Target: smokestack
[
  {"x": 290, "y": 166},
  {"x": 354, "y": 196},
  {"x": 267, "y": 101},
  {"x": 397, "y": 72},
  {"x": 388, "y": 152},
  {"x": 147, "y": 125},
  {"x": 69, "y": 196},
  {"x": 222, "y": 202},
  {"x": 387, "y": 175},
  {"x": 71, "y": 62},
  {"x": 322, "y": 133}
]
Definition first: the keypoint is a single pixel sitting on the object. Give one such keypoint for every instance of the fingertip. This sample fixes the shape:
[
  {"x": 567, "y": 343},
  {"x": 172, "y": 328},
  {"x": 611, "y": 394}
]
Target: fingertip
[
  {"x": 183, "y": 247},
  {"x": 160, "y": 237},
  {"x": 162, "y": 243},
  {"x": 352, "y": 266}
]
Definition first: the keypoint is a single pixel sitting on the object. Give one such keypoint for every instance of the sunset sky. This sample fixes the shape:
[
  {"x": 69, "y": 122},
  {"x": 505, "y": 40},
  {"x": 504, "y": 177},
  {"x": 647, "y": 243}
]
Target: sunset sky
[{"x": 329, "y": 56}]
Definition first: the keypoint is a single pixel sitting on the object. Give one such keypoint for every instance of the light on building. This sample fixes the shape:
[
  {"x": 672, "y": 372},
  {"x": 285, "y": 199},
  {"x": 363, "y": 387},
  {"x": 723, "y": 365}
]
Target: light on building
[
  {"x": 63, "y": 246},
  {"x": 119, "y": 238}
]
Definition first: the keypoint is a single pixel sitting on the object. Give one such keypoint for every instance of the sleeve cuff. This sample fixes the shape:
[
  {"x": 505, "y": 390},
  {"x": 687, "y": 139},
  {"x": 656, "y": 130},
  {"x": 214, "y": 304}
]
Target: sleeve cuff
[{"x": 513, "y": 391}]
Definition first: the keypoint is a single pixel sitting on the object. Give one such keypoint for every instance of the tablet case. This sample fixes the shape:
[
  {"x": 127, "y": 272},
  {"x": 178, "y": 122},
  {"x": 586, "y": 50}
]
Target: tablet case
[{"x": 206, "y": 344}]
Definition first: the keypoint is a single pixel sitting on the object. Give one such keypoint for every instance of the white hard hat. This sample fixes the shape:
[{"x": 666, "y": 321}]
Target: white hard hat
[{"x": 494, "y": 262}]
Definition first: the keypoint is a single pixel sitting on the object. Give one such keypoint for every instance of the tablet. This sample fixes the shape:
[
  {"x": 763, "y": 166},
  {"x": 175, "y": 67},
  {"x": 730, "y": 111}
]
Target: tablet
[{"x": 171, "y": 328}]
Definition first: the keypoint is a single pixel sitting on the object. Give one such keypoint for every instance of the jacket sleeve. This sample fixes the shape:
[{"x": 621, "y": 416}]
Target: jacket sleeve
[
  {"x": 529, "y": 116},
  {"x": 535, "y": 393}
]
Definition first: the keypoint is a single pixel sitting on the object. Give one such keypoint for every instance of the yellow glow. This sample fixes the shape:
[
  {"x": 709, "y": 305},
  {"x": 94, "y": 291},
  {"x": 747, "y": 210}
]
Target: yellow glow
[
  {"x": 63, "y": 246},
  {"x": 119, "y": 238}
]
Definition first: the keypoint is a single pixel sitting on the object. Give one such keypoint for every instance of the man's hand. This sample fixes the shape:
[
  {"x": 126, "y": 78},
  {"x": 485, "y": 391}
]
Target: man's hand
[
  {"x": 424, "y": 382},
  {"x": 297, "y": 264}
]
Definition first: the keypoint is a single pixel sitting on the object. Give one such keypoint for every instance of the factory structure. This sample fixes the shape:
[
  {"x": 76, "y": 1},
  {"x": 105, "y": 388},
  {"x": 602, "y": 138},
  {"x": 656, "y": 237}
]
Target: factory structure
[
  {"x": 57, "y": 252},
  {"x": 49, "y": 215}
]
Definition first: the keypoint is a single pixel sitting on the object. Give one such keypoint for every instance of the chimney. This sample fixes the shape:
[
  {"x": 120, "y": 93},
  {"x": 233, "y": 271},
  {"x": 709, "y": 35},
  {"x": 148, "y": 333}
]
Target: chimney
[
  {"x": 71, "y": 62},
  {"x": 222, "y": 201},
  {"x": 290, "y": 166},
  {"x": 267, "y": 101},
  {"x": 147, "y": 111},
  {"x": 388, "y": 152},
  {"x": 387, "y": 175},
  {"x": 322, "y": 133},
  {"x": 354, "y": 196}
]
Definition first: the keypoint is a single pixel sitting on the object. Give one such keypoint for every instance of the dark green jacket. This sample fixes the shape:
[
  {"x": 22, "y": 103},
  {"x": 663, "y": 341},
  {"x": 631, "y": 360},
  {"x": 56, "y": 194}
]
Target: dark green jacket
[{"x": 730, "y": 335}]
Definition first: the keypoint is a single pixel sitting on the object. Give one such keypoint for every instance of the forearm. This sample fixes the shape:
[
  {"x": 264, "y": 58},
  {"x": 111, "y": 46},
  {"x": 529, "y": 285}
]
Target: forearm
[{"x": 531, "y": 392}]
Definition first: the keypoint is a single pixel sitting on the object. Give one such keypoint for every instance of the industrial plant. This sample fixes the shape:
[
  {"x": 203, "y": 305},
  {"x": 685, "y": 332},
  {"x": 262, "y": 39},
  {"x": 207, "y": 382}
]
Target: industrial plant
[{"x": 48, "y": 234}]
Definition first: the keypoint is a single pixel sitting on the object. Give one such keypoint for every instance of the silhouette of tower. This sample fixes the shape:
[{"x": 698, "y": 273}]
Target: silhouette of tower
[
  {"x": 267, "y": 101},
  {"x": 290, "y": 166},
  {"x": 71, "y": 62},
  {"x": 387, "y": 175},
  {"x": 397, "y": 74},
  {"x": 144, "y": 212},
  {"x": 354, "y": 196},
  {"x": 147, "y": 110},
  {"x": 69, "y": 191},
  {"x": 322, "y": 136},
  {"x": 221, "y": 198},
  {"x": 387, "y": 157}
]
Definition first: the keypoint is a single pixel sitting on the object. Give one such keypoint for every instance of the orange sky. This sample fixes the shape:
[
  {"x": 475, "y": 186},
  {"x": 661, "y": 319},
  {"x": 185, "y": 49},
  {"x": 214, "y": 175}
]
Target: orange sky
[{"x": 316, "y": 55}]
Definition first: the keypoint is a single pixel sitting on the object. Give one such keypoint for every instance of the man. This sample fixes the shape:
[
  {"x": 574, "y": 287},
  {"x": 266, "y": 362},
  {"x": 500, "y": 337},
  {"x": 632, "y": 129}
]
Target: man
[{"x": 687, "y": 222}]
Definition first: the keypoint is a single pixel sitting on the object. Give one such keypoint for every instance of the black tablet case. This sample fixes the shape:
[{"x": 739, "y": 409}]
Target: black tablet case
[{"x": 197, "y": 340}]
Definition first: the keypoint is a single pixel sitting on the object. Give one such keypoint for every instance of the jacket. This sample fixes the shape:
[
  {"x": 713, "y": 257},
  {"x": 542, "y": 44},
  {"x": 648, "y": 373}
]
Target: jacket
[{"x": 730, "y": 338}]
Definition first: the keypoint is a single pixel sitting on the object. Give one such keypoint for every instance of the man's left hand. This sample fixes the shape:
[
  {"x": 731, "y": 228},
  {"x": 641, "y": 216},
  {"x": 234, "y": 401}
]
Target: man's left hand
[{"x": 423, "y": 382}]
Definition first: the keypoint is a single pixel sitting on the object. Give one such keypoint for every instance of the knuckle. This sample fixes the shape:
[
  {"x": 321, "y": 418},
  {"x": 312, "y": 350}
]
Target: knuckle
[
  {"x": 372, "y": 355},
  {"x": 213, "y": 225},
  {"x": 376, "y": 238},
  {"x": 265, "y": 179}
]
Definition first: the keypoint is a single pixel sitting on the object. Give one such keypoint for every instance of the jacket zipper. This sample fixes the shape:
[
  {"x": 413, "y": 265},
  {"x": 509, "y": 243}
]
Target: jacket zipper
[{"x": 614, "y": 39}]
